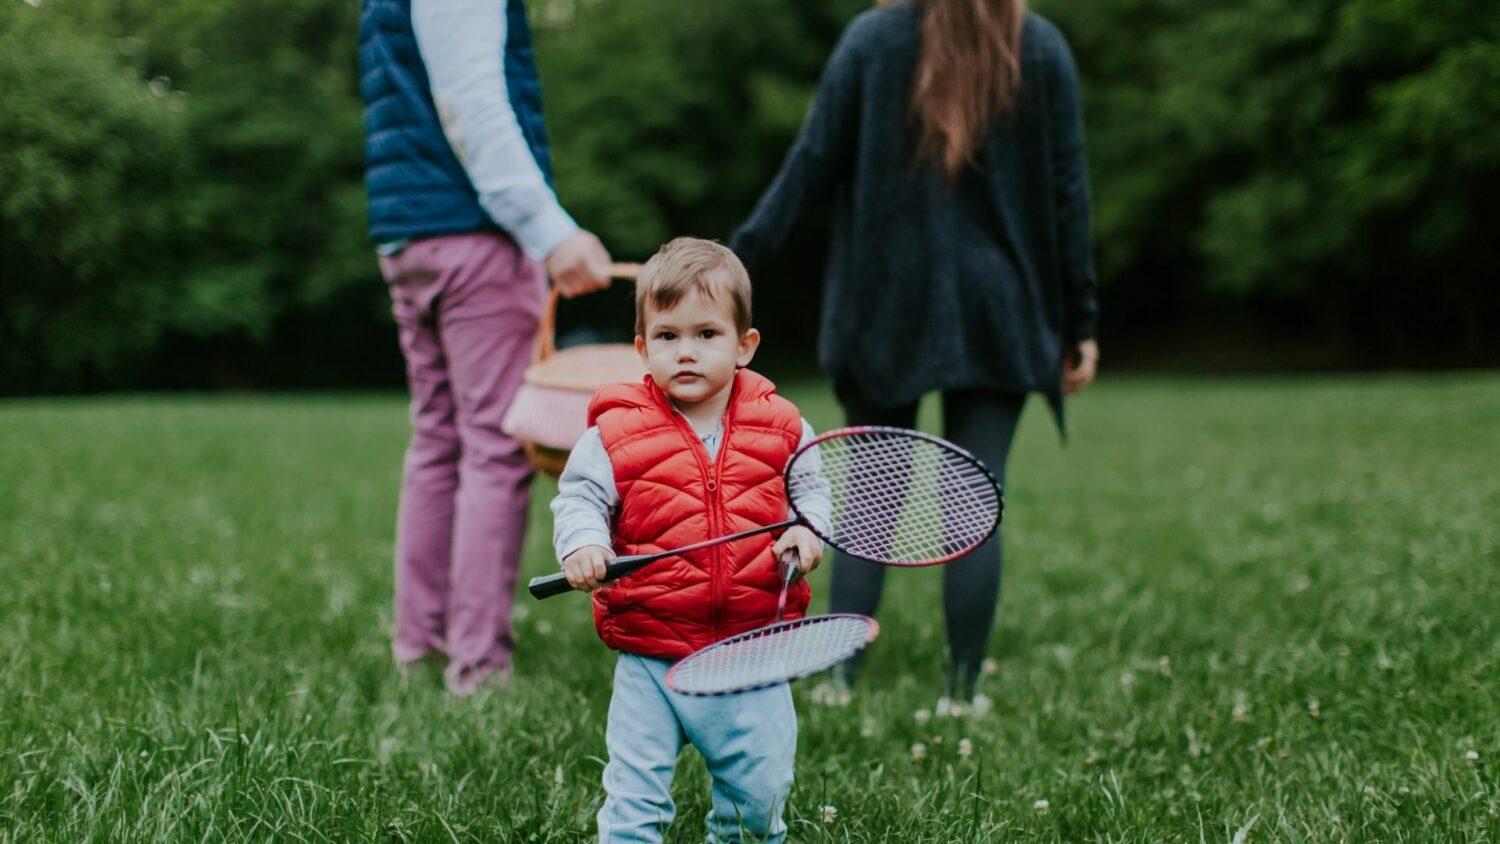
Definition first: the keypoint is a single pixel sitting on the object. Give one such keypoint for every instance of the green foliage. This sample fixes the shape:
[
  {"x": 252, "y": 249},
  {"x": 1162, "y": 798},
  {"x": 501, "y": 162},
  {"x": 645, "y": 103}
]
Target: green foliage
[
  {"x": 1304, "y": 151},
  {"x": 94, "y": 159},
  {"x": 184, "y": 203},
  {"x": 1228, "y": 605}
]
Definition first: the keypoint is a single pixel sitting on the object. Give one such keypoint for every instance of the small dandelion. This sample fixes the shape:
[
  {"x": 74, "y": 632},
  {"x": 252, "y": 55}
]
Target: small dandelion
[
  {"x": 990, "y": 666},
  {"x": 829, "y": 813},
  {"x": 965, "y": 748},
  {"x": 1313, "y": 708},
  {"x": 922, "y": 716},
  {"x": 937, "y": 739},
  {"x": 1041, "y": 807},
  {"x": 830, "y": 694},
  {"x": 919, "y": 751},
  {"x": 1472, "y": 756}
]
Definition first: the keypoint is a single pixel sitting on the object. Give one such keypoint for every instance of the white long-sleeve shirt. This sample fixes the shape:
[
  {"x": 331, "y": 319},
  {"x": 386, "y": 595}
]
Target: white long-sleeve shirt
[
  {"x": 586, "y": 494},
  {"x": 462, "y": 47}
]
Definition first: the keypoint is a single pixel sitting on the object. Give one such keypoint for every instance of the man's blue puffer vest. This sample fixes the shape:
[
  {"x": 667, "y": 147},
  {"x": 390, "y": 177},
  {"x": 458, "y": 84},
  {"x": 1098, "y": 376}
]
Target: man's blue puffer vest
[{"x": 416, "y": 186}]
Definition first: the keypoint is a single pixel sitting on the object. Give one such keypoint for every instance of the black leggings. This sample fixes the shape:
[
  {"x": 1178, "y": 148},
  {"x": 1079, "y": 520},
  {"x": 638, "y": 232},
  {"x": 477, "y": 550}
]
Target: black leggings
[{"x": 985, "y": 424}]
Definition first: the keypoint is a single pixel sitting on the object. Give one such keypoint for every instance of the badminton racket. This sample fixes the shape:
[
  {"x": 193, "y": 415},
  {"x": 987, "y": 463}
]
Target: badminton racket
[
  {"x": 771, "y": 655},
  {"x": 891, "y": 496}
]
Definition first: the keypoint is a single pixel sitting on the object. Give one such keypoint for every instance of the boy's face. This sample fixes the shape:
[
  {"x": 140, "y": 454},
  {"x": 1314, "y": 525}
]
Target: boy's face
[{"x": 693, "y": 348}]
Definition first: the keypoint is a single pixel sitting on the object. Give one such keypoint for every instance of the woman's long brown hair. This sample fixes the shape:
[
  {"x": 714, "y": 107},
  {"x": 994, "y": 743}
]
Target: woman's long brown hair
[{"x": 968, "y": 72}]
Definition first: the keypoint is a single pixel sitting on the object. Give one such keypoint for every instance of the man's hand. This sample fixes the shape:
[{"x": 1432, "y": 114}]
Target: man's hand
[
  {"x": 579, "y": 265},
  {"x": 809, "y": 547},
  {"x": 585, "y": 567},
  {"x": 1079, "y": 365}
]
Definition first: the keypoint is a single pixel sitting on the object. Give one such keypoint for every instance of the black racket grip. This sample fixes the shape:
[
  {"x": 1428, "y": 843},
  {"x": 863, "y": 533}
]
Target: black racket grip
[{"x": 552, "y": 585}]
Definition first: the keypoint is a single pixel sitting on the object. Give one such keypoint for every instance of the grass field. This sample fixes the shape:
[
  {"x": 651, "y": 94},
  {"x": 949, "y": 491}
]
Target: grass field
[{"x": 1252, "y": 610}]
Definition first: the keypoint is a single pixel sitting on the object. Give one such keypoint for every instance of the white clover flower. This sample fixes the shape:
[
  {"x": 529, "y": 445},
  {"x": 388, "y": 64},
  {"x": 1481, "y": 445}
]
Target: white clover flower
[
  {"x": 1241, "y": 712},
  {"x": 829, "y": 813},
  {"x": 1041, "y": 807},
  {"x": 981, "y": 705},
  {"x": 922, "y": 716},
  {"x": 1127, "y": 681},
  {"x": 919, "y": 751},
  {"x": 544, "y": 627},
  {"x": 830, "y": 694},
  {"x": 1370, "y": 791},
  {"x": 1313, "y": 707},
  {"x": 1472, "y": 756},
  {"x": 990, "y": 666},
  {"x": 557, "y": 775},
  {"x": 868, "y": 727},
  {"x": 944, "y": 707},
  {"x": 965, "y": 748}
]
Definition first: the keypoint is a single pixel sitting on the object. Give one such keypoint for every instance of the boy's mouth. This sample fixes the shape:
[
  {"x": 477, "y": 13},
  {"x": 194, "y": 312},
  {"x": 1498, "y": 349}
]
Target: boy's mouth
[{"x": 686, "y": 375}]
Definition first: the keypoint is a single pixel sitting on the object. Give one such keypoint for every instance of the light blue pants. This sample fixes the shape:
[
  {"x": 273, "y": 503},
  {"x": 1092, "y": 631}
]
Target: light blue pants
[{"x": 748, "y": 740}]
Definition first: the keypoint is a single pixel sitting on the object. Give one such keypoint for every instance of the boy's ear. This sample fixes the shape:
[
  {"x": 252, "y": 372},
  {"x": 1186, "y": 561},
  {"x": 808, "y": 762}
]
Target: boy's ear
[
  {"x": 640, "y": 348},
  {"x": 749, "y": 342}
]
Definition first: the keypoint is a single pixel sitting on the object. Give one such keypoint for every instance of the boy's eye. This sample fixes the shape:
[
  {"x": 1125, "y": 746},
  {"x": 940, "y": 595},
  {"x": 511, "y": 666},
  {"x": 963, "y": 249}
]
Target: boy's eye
[
  {"x": 708, "y": 334},
  {"x": 666, "y": 335}
]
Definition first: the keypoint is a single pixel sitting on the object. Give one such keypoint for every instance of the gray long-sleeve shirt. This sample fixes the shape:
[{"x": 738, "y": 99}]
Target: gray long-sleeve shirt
[
  {"x": 586, "y": 494},
  {"x": 460, "y": 42}
]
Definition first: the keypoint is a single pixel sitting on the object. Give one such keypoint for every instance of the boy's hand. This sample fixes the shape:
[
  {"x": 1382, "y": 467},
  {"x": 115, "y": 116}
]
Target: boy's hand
[
  {"x": 585, "y": 567},
  {"x": 809, "y": 547}
]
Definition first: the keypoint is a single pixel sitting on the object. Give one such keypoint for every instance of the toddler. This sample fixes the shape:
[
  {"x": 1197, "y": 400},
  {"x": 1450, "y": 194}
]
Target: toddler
[{"x": 694, "y": 451}]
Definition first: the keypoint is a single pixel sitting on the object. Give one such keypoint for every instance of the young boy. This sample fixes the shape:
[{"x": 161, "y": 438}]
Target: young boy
[{"x": 694, "y": 451}]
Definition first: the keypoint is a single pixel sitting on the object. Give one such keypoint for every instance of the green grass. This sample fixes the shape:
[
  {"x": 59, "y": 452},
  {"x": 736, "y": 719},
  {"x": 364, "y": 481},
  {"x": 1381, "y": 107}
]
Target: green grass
[{"x": 1261, "y": 605}]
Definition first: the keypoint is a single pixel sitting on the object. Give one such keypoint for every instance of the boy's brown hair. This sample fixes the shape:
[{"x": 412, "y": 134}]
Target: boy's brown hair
[{"x": 691, "y": 263}]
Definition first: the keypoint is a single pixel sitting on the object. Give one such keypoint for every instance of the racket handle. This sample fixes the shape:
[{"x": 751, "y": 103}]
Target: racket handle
[
  {"x": 790, "y": 565},
  {"x": 552, "y": 585}
]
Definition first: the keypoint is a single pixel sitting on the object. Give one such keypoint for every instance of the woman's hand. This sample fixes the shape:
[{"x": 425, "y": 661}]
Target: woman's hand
[
  {"x": 1079, "y": 365},
  {"x": 585, "y": 567},
  {"x": 809, "y": 547}
]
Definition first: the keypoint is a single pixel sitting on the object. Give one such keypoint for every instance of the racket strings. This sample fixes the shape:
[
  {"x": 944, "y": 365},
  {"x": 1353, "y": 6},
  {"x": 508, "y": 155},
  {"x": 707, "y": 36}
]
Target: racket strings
[
  {"x": 899, "y": 499},
  {"x": 770, "y": 655}
]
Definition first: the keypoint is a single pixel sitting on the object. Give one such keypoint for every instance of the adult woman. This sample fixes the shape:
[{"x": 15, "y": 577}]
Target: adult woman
[{"x": 948, "y": 137}]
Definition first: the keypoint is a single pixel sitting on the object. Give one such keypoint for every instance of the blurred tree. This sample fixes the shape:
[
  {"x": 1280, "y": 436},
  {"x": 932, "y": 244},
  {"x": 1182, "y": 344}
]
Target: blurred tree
[
  {"x": 181, "y": 197},
  {"x": 94, "y": 160}
]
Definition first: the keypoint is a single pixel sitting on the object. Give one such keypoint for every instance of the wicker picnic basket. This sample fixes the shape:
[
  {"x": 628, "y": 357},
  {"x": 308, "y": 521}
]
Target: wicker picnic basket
[{"x": 550, "y": 411}]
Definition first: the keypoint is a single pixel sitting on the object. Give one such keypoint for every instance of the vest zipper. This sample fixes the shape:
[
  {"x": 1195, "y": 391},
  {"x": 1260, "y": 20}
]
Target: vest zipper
[{"x": 716, "y": 516}]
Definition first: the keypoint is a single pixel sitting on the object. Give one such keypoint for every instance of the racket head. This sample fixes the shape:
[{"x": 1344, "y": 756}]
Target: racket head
[
  {"x": 897, "y": 497},
  {"x": 772, "y": 655}
]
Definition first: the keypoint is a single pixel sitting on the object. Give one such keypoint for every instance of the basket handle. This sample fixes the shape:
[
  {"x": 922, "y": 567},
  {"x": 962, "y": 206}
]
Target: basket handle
[{"x": 546, "y": 334}]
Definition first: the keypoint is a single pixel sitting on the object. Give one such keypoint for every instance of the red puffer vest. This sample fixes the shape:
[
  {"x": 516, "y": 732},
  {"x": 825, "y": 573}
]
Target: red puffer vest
[{"x": 671, "y": 495}]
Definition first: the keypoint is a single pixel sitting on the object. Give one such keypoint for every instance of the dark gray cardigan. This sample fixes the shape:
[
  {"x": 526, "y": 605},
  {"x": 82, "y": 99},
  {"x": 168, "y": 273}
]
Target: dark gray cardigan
[{"x": 931, "y": 286}]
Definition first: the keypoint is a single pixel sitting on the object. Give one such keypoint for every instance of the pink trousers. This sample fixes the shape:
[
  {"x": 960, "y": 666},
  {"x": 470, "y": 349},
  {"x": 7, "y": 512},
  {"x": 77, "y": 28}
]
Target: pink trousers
[{"x": 467, "y": 308}]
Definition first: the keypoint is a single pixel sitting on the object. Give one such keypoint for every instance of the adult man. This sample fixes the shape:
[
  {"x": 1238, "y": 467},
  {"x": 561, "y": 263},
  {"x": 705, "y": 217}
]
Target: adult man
[{"x": 463, "y": 214}]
